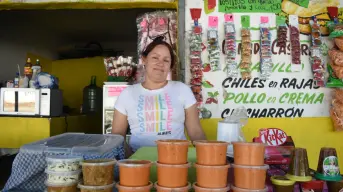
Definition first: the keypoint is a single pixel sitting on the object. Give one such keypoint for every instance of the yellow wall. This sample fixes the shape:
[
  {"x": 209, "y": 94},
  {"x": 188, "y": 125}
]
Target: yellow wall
[
  {"x": 75, "y": 74},
  {"x": 309, "y": 133},
  {"x": 45, "y": 62}
]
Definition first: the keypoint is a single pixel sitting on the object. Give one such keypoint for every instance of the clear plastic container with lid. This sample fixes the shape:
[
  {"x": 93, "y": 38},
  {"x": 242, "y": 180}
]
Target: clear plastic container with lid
[
  {"x": 75, "y": 144},
  {"x": 104, "y": 188},
  {"x": 63, "y": 163},
  {"x": 62, "y": 177},
  {"x": 63, "y": 187}
]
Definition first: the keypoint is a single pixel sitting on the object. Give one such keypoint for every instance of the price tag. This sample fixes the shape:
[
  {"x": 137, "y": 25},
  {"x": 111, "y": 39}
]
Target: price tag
[
  {"x": 213, "y": 21},
  {"x": 264, "y": 19},
  {"x": 245, "y": 21},
  {"x": 228, "y": 17}
]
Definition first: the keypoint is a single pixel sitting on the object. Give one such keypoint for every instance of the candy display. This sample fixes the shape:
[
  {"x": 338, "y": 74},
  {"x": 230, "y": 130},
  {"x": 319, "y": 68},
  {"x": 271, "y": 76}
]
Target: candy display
[
  {"x": 245, "y": 54},
  {"x": 151, "y": 25},
  {"x": 213, "y": 44},
  {"x": 295, "y": 43},
  {"x": 230, "y": 47},
  {"x": 266, "y": 63},
  {"x": 119, "y": 66}
]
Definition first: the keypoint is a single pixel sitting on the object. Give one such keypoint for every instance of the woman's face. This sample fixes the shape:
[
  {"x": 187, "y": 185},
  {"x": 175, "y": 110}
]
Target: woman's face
[{"x": 157, "y": 64}]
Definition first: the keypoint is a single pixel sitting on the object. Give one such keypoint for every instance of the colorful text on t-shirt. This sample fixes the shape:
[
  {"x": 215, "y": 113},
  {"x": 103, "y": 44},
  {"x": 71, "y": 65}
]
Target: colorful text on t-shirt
[{"x": 155, "y": 114}]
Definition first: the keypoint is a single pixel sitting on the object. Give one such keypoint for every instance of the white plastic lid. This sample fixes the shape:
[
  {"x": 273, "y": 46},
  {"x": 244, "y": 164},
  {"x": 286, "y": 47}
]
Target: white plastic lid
[
  {"x": 63, "y": 158},
  {"x": 212, "y": 166},
  {"x": 63, "y": 174},
  {"x": 186, "y": 188},
  {"x": 81, "y": 186},
  {"x": 134, "y": 163},
  {"x": 250, "y": 167},
  {"x": 211, "y": 189},
  {"x": 173, "y": 165},
  {"x": 66, "y": 184},
  {"x": 210, "y": 142},
  {"x": 98, "y": 162},
  {"x": 236, "y": 189}
]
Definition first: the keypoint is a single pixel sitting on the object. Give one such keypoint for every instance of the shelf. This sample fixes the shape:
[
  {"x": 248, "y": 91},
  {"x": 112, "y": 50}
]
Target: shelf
[{"x": 88, "y": 5}]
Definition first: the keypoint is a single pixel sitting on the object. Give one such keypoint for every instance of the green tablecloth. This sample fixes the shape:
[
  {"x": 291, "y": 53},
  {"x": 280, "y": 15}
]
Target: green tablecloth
[{"x": 150, "y": 153}]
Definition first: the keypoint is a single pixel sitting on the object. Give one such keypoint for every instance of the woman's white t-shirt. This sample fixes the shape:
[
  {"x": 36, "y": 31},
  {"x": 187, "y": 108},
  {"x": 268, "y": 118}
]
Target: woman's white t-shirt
[{"x": 155, "y": 114}]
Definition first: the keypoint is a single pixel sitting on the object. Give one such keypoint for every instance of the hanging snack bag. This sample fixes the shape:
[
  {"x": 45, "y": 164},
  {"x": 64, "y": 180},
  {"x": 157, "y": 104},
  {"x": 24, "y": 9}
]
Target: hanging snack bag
[
  {"x": 295, "y": 43},
  {"x": 213, "y": 43},
  {"x": 281, "y": 32},
  {"x": 230, "y": 46},
  {"x": 266, "y": 64},
  {"x": 245, "y": 64}
]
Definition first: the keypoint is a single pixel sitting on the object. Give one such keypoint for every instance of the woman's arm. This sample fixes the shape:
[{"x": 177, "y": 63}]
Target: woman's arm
[
  {"x": 119, "y": 126},
  {"x": 192, "y": 124}
]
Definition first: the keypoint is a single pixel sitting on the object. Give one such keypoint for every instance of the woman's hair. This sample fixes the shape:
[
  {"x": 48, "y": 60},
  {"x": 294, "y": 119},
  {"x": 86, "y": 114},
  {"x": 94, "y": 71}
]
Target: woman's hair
[{"x": 160, "y": 41}]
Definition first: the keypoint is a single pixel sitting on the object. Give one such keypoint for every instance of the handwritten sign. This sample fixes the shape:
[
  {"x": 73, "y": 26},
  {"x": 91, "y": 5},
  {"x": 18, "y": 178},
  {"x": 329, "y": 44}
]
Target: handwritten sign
[
  {"x": 213, "y": 21},
  {"x": 303, "y": 3},
  {"x": 228, "y": 18},
  {"x": 248, "y": 6}
]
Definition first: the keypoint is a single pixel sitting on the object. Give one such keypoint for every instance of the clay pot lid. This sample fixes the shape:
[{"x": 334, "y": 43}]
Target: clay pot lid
[
  {"x": 210, "y": 142},
  {"x": 186, "y": 188},
  {"x": 187, "y": 165},
  {"x": 249, "y": 190},
  {"x": 282, "y": 181},
  {"x": 134, "y": 163},
  {"x": 314, "y": 184},
  {"x": 173, "y": 141},
  {"x": 195, "y": 186},
  {"x": 98, "y": 162},
  {"x": 251, "y": 167},
  {"x": 95, "y": 188},
  {"x": 140, "y": 188}
]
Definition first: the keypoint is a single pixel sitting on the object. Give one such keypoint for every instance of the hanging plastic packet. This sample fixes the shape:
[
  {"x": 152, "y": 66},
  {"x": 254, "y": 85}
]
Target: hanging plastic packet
[
  {"x": 213, "y": 43},
  {"x": 266, "y": 63},
  {"x": 245, "y": 64},
  {"x": 281, "y": 31},
  {"x": 295, "y": 43},
  {"x": 316, "y": 58},
  {"x": 230, "y": 46},
  {"x": 195, "y": 49}
]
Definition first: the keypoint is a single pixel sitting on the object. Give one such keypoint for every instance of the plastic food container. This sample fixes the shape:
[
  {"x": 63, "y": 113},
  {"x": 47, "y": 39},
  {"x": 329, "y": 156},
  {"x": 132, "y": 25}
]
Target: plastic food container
[
  {"x": 98, "y": 172},
  {"x": 282, "y": 184},
  {"x": 173, "y": 189},
  {"x": 172, "y": 151},
  {"x": 104, "y": 188},
  {"x": 134, "y": 173},
  {"x": 254, "y": 157},
  {"x": 250, "y": 177},
  {"x": 211, "y": 152},
  {"x": 172, "y": 175},
  {"x": 236, "y": 189},
  {"x": 61, "y": 187},
  {"x": 62, "y": 177},
  {"x": 212, "y": 176},
  {"x": 146, "y": 188},
  {"x": 201, "y": 189},
  {"x": 63, "y": 163}
]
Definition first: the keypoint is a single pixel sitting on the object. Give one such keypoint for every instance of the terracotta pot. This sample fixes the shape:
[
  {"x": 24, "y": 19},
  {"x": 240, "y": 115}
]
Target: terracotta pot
[
  {"x": 236, "y": 189},
  {"x": 146, "y": 188},
  {"x": 98, "y": 172},
  {"x": 246, "y": 153},
  {"x": 105, "y": 188},
  {"x": 250, "y": 177},
  {"x": 211, "y": 152},
  {"x": 168, "y": 189},
  {"x": 202, "y": 189},
  {"x": 172, "y": 175},
  {"x": 172, "y": 151},
  {"x": 212, "y": 176},
  {"x": 134, "y": 173}
]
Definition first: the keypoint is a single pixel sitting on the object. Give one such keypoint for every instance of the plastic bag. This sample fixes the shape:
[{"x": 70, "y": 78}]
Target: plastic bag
[
  {"x": 266, "y": 63},
  {"x": 231, "y": 66},
  {"x": 295, "y": 43},
  {"x": 195, "y": 43},
  {"x": 245, "y": 63},
  {"x": 213, "y": 48}
]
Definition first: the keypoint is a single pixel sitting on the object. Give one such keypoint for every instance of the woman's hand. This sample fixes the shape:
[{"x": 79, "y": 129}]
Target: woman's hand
[
  {"x": 192, "y": 124},
  {"x": 119, "y": 127}
]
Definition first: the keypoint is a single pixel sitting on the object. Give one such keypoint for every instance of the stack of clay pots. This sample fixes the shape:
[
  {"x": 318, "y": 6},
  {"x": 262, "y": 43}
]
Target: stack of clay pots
[
  {"x": 172, "y": 166},
  {"x": 211, "y": 167},
  {"x": 134, "y": 175},
  {"x": 249, "y": 168},
  {"x": 98, "y": 175}
]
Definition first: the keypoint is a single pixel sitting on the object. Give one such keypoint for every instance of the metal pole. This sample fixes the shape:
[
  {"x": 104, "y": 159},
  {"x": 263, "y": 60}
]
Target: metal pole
[{"x": 181, "y": 39}]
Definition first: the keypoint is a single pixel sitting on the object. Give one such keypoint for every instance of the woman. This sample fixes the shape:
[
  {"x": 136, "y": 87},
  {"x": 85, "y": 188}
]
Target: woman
[{"x": 157, "y": 108}]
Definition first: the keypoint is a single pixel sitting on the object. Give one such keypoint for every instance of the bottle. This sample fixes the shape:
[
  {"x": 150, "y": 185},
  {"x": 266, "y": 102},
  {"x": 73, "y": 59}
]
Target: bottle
[
  {"x": 28, "y": 68},
  {"x": 92, "y": 97},
  {"x": 36, "y": 68},
  {"x": 16, "y": 80}
]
